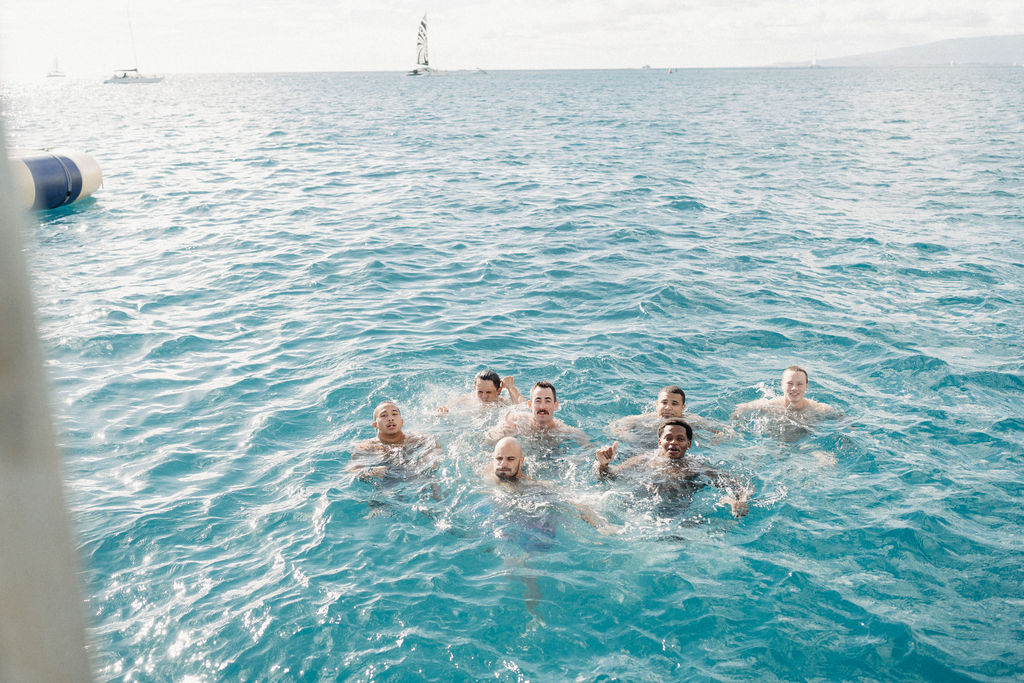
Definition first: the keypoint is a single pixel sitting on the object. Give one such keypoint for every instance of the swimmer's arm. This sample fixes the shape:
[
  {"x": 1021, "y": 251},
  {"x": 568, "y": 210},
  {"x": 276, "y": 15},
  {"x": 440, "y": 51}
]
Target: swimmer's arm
[
  {"x": 509, "y": 384},
  {"x": 498, "y": 432},
  {"x": 431, "y": 446},
  {"x": 365, "y": 470},
  {"x": 579, "y": 436},
  {"x": 431, "y": 453},
  {"x": 624, "y": 425},
  {"x": 508, "y": 426},
  {"x": 457, "y": 403},
  {"x": 719, "y": 431},
  {"x": 737, "y": 495},
  {"x": 595, "y": 520},
  {"x": 829, "y": 411},
  {"x": 749, "y": 407}
]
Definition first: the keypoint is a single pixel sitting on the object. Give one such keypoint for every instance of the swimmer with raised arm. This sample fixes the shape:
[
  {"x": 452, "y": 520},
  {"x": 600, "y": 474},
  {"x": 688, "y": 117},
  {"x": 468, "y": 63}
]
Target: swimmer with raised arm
[
  {"x": 671, "y": 463},
  {"x": 392, "y": 449},
  {"x": 506, "y": 472},
  {"x": 487, "y": 388},
  {"x": 791, "y": 403},
  {"x": 540, "y": 421},
  {"x": 643, "y": 429}
]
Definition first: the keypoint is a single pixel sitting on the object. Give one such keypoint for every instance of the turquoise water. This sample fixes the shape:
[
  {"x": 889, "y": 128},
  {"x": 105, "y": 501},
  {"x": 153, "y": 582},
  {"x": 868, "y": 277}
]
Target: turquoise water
[{"x": 271, "y": 255}]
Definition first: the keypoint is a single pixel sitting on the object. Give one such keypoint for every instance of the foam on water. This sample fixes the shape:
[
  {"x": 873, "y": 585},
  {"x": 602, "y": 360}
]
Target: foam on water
[{"x": 271, "y": 255}]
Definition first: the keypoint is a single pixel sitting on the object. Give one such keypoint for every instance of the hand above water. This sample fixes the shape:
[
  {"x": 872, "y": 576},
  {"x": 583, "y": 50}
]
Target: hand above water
[
  {"x": 605, "y": 455},
  {"x": 739, "y": 504}
]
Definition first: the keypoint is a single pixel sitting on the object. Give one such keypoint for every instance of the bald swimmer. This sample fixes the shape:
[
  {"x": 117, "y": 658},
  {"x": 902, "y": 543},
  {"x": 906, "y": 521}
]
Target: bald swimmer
[{"x": 506, "y": 473}]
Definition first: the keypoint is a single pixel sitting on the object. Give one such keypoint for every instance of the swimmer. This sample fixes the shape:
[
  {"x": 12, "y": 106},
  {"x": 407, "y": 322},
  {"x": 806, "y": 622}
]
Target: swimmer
[
  {"x": 671, "y": 402},
  {"x": 671, "y": 463},
  {"x": 487, "y": 388},
  {"x": 791, "y": 403},
  {"x": 540, "y": 421},
  {"x": 506, "y": 473},
  {"x": 392, "y": 447}
]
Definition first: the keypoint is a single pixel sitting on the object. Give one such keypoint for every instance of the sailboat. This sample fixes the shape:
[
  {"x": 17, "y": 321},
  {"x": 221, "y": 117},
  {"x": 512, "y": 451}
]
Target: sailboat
[
  {"x": 423, "y": 67},
  {"x": 56, "y": 72},
  {"x": 126, "y": 76}
]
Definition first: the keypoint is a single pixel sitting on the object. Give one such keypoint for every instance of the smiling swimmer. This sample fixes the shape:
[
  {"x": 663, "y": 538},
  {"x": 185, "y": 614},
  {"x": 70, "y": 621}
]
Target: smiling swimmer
[
  {"x": 791, "y": 402},
  {"x": 539, "y": 421}
]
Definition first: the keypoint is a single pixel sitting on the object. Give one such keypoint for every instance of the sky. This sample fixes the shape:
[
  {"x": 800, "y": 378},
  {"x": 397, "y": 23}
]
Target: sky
[{"x": 92, "y": 38}]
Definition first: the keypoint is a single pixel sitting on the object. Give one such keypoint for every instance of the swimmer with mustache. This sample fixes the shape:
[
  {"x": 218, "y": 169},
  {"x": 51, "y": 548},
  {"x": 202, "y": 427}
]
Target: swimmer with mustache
[{"x": 541, "y": 422}]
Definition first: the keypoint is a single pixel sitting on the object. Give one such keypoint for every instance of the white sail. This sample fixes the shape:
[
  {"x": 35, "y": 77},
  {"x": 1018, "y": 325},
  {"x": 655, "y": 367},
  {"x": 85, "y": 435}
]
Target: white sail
[{"x": 421, "y": 44}]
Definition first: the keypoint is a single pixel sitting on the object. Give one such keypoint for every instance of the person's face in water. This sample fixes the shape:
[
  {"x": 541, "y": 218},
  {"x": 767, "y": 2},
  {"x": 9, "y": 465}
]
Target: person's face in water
[
  {"x": 670, "y": 404},
  {"x": 387, "y": 420},
  {"x": 543, "y": 405},
  {"x": 673, "y": 441},
  {"x": 508, "y": 460},
  {"x": 794, "y": 386},
  {"x": 485, "y": 390}
]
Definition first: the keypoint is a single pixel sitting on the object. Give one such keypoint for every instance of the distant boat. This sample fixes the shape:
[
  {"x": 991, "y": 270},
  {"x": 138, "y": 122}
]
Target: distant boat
[
  {"x": 126, "y": 76},
  {"x": 132, "y": 75},
  {"x": 56, "y": 72},
  {"x": 423, "y": 67}
]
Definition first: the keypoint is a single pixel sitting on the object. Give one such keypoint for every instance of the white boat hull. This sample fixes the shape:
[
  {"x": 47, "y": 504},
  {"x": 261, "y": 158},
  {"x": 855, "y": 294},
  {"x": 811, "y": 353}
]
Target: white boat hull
[{"x": 125, "y": 80}]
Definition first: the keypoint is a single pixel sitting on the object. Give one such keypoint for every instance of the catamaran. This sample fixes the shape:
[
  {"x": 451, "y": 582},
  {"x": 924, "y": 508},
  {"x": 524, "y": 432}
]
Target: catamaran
[{"x": 423, "y": 67}]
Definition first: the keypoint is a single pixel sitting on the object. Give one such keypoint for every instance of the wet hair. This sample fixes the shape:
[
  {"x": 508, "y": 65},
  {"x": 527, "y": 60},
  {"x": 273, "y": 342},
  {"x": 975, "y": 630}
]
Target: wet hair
[
  {"x": 545, "y": 385},
  {"x": 676, "y": 422},
  {"x": 673, "y": 389},
  {"x": 489, "y": 376},
  {"x": 797, "y": 368}
]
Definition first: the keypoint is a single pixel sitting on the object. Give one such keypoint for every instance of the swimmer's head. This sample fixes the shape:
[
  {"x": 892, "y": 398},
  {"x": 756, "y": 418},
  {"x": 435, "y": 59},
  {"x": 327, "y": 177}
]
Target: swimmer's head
[
  {"x": 671, "y": 402},
  {"x": 487, "y": 386},
  {"x": 543, "y": 403},
  {"x": 508, "y": 459},
  {"x": 387, "y": 418},
  {"x": 794, "y": 385},
  {"x": 674, "y": 437}
]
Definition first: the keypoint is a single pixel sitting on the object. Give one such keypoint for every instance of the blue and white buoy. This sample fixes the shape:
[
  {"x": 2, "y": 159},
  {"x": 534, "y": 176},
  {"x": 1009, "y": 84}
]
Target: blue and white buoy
[{"x": 55, "y": 177}]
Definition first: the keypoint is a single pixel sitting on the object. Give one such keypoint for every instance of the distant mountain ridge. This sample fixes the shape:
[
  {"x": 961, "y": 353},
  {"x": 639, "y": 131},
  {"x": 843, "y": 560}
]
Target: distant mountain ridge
[{"x": 989, "y": 50}]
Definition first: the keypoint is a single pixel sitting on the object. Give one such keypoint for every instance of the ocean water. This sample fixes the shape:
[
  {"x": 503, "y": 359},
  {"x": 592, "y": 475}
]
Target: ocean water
[{"x": 272, "y": 255}]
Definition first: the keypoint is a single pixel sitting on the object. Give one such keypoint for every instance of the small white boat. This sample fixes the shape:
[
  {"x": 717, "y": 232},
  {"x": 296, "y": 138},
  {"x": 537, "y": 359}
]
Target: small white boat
[
  {"x": 56, "y": 72},
  {"x": 126, "y": 76},
  {"x": 423, "y": 67}
]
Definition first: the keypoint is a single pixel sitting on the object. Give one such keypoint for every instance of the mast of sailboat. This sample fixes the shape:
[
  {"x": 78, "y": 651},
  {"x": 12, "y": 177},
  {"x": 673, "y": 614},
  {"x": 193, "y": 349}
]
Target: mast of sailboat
[{"x": 131, "y": 34}]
